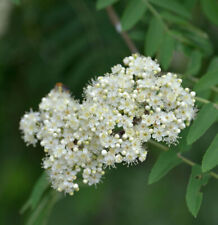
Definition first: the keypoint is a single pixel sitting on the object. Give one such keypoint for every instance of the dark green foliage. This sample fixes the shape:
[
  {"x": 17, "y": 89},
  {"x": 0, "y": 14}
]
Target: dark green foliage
[
  {"x": 36, "y": 195},
  {"x": 210, "y": 8},
  {"x": 166, "y": 162},
  {"x": 194, "y": 195},
  {"x": 104, "y": 3},
  {"x": 133, "y": 12},
  {"x": 205, "y": 118},
  {"x": 16, "y": 1},
  {"x": 41, "y": 214},
  {"x": 194, "y": 65},
  {"x": 207, "y": 81},
  {"x": 174, "y": 6},
  {"x": 166, "y": 51},
  {"x": 169, "y": 159},
  {"x": 154, "y": 36},
  {"x": 210, "y": 159},
  {"x": 72, "y": 42}
]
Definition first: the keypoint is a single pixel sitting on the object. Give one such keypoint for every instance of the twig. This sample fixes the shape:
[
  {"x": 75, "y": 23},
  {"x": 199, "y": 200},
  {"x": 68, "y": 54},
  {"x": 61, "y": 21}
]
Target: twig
[
  {"x": 183, "y": 158},
  {"x": 116, "y": 22}
]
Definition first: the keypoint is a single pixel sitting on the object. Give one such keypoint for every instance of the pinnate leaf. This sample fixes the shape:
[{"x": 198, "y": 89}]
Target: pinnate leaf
[
  {"x": 173, "y": 6},
  {"x": 210, "y": 9},
  {"x": 104, "y": 3},
  {"x": 210, "y": 159},
  {"x": 133, "y": 12},
  {"x": 205, "y": 118},
  {"x": 166, "y": 161},
  {"x": 41, "y": 214},
  {"x": 213, "y": 64},
  {"x": 193, "y": 194},
  {"x": 207, "y": 81},
  {"x": 16, "y": 1},
  {"x": 154, "y": 36},
  {"x": 166, "y": 51},
  {"x": 36, "y": 195},
  {"x": 194, "y": 63}
]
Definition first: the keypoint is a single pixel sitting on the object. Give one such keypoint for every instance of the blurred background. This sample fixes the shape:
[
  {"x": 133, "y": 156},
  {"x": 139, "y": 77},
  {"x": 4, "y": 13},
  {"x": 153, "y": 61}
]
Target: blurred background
[{"x": 47, "y": 41}]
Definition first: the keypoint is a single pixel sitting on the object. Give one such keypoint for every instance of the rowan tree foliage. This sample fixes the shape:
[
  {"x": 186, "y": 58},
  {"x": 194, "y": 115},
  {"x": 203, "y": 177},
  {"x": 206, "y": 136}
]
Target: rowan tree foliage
[{"x": 76, "y": 43}]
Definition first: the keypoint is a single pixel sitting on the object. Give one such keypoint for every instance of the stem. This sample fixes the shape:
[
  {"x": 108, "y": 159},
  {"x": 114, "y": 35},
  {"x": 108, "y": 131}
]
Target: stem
[
  {"x": 195, "y": 80},
  {"x": 199, "y": 99},
  {"x": 183, "y": 158},
  {"x": 116, "y": 22},
  {"x": 205, "y": 101},
  {"x": 159, "y": 145}
]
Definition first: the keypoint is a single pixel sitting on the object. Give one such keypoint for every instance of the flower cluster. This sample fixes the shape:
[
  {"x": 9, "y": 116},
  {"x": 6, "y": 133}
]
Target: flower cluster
[{"x": 120, "y": 112}]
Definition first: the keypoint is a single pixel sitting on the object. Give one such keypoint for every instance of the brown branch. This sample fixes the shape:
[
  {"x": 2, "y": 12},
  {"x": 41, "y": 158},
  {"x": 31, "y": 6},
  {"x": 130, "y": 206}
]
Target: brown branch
[{"x": 116, "y": 22}]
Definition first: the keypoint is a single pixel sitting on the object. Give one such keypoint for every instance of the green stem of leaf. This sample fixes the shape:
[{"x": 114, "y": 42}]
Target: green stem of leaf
[
  {"x": 186, "y": 160},
  {"x": 183, "y": 158},
  {"x": 205, "y": 101},
  {"x": 195, "y": 80}
]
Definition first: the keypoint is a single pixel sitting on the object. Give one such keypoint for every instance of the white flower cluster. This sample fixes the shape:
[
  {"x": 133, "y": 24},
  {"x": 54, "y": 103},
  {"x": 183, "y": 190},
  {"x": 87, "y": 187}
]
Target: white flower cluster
[{"x": 120, "y": 112}]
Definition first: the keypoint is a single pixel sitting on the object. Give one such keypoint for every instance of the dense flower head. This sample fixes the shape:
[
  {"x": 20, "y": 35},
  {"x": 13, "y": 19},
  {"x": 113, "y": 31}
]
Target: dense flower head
[{"x": 120, "y": 112}]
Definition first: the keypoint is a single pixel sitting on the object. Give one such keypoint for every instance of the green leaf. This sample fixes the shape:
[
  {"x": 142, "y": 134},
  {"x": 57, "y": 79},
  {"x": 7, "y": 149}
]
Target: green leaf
[
  {"x": 213, "y": 65},
  {"x": 133, "y": 12},
  {"x": 166, "y": 51},
  {"x": 190, "y": 4},
  {"x": 193, "y": 195},
  {"x": 154, "y": 36},
  {"x": 206, "y": 94},
  {"x": 173, "y": 6},
  {"x": 182, "y": 146},
  {"x": 207, "y": 80},
  {"x": 17, "y": 2},
  {"x": 39, "y": 210},
  {"x": 210, "y": 9},
  {"x": 179, "y": 35},
  {"x": 38, "y": 190},
  {"x": 205, "y": 118},
  {"x": 137, "y": 35},
  {"x": 182, "y": 23},
  {"x": 201, "y": 42},
  {"x": 210, "y": 159},
  {"x": 166, "y": 161},
  {"x": 104, "y": 3},
  {"x": 194, "y": 64},
  {"x": 41, "y": 214}
]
